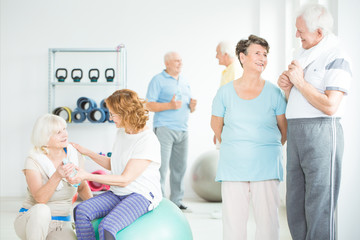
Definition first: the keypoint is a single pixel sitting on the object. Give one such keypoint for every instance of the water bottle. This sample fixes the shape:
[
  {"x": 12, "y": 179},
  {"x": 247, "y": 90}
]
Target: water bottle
[
  {"x": 178, "y": 95},
  {"x": 66, "y": 161}
]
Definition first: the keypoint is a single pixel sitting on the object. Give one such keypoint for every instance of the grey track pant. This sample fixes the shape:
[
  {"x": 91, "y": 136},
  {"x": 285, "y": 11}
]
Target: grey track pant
[
  {"x": 174, "y": 151},
  {"x": 314, "y": 153}
]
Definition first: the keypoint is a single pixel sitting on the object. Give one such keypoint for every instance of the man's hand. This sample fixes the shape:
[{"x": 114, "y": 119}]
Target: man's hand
[
  {"x": 175, "y": 104},
  {"x": 192, "y": 104},
  {"x": 296, "y": 74}
]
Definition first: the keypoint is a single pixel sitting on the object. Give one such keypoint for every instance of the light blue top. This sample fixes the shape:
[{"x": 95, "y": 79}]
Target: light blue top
[
  {"x": 162, "y": 89},
  {"x": 251, "y": 147}
]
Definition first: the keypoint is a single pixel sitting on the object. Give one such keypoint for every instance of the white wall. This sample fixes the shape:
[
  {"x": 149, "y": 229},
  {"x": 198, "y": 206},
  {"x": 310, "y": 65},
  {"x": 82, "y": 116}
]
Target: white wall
[{"x": 349, "y": 199}]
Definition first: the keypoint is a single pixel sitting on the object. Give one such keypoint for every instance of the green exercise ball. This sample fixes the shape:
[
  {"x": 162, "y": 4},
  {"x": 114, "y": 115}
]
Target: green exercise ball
[{"x": 165, "y": 222}]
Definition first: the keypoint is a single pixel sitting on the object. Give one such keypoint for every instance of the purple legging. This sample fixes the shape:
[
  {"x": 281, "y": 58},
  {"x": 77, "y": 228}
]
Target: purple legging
[{"x": 118, "y": 212}]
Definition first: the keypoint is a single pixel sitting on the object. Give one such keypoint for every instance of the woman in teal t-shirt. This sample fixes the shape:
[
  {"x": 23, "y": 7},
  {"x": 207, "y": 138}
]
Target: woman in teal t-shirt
[{"x": 248, "y": 119}]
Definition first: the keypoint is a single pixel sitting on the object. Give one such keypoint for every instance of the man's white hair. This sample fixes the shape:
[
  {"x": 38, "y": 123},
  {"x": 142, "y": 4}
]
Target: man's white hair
[
  {"x": 317, "y": 16},
  {"x": 169, "y": 56},
  {"x": 228, "y": 48}
]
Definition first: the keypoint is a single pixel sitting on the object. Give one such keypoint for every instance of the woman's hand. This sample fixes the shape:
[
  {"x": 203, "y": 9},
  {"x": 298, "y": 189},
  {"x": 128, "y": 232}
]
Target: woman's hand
[
  {"x": 79, "y": 177},
  {"x": 42, "y": 193},
  {"x": 81, "y": 149},
  {"x": 103, "y": 161},
  {"x": 217, "y": 124},
  {"x": 282, "y": 125},
  {"x": 214, "y": 139},
  {"x": 65, "y": 171}
]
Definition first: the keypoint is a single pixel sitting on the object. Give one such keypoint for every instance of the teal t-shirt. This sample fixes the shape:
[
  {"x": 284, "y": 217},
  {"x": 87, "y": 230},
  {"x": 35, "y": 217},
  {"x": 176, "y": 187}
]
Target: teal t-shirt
[{"x": 251, "y": 147}]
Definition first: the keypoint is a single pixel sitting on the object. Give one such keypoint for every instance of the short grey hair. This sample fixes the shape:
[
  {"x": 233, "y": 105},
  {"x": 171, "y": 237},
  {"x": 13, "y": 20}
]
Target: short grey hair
[
  {"x": 227, "y": 47},
  {"x": 317, "y": 16},
  {"x": 45, "y": 126},
  {"x": 168, "y": 56}
]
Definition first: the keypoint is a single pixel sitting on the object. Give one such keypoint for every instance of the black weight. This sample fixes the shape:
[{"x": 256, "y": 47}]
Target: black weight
[
  {"x": 94, "y": 78},
  {"x": 61, "y": 78},
  {"x": 109, "y": 77},
  {"x": 76, "y": 78}
]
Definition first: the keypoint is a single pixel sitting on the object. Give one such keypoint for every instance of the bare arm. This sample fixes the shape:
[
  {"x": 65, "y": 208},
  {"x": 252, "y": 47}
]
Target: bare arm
[
  {"x": 282, "y": 125},
  {"x": 84, "y": 191},
  {"x": 285, "y": 84},
  {"x": 99, "y": 159},
  {"x": 327, "y": 102},
  {"x": 133, "y": 169},
  {"x": 42, "y": 193},
  {"x": 158, "y": 107},
  {"x": 217, "y": 124}
]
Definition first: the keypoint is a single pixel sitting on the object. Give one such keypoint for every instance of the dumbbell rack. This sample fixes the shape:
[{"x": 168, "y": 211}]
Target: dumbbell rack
[{"x": 116, "y": 57}]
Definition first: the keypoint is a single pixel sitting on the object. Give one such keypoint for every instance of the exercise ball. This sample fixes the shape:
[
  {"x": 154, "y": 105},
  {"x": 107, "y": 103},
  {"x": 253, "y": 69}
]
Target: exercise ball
[
  {"x": 165, "y": 222},
  {"x": 203, "y": 176},
  {"x": 95, "y": 186}
]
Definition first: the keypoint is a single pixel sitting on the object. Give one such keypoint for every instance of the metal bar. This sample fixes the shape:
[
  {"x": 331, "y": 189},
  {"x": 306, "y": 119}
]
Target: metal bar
[
  {"x": 85, "y": 84},
  {"x": 84, "y": 50}
]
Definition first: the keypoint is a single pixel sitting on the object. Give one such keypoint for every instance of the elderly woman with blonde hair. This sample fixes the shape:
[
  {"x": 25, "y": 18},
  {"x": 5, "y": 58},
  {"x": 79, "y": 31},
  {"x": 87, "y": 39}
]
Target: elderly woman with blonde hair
[
  {"x": 134, "y": 164},
  {"x": 45, "y": 213}
]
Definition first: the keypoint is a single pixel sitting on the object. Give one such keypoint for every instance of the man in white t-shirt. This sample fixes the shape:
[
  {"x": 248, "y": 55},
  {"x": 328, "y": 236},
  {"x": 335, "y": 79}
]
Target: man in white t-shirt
[{"x": 315, "y": 85}]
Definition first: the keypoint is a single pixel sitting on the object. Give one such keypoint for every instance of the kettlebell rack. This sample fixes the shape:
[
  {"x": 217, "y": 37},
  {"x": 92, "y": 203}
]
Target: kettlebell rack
[{"x": 87, "y": 67}]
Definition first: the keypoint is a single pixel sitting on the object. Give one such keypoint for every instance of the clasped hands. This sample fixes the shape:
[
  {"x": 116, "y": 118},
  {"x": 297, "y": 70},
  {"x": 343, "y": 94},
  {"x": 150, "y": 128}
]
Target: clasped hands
[
  {"x": 294, "y": 76},
  {"x": 65, "y": 171},
  {"x": 79, "y": 177}
]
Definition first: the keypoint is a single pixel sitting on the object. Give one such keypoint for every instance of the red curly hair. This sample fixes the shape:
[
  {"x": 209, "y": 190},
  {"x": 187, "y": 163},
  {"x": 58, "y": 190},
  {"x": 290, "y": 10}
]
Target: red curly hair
[{"x": 127, "y": 104}]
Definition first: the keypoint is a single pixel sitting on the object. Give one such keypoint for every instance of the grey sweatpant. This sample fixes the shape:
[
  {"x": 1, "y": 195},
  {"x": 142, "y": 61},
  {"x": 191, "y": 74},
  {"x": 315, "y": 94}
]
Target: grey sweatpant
[
  {"x": 314, "y": 152},
  {"x": 174, "y": 151}
]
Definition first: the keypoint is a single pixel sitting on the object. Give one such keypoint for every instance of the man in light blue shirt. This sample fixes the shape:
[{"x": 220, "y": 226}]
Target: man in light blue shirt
[{"x": 169, "y": 96}]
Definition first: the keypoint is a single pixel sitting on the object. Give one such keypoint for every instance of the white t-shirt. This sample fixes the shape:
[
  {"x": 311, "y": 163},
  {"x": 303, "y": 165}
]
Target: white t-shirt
[
  {"x": 330, "y": 71},
  {"x": 143, "y": 145}
]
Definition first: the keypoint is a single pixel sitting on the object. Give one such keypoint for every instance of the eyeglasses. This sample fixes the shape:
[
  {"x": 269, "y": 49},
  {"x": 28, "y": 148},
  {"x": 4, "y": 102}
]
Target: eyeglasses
[{"x": 112, "y": 115}]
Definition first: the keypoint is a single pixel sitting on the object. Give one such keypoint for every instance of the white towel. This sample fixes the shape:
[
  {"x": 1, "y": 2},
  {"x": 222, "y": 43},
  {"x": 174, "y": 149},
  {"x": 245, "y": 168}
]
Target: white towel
[
  {"x": 307, "y": 56},
  {"x": 49, "y": 168}
]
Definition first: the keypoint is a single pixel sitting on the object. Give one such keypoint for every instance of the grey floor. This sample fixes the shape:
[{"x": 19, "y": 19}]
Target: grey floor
[{"x": 204, "y": 219}]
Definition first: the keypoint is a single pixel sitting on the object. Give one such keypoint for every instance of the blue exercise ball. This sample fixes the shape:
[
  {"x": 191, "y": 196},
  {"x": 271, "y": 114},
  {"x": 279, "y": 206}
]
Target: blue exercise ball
[
  {"x": 165, "y": 222},
  {"x": 203, "y": 176}
]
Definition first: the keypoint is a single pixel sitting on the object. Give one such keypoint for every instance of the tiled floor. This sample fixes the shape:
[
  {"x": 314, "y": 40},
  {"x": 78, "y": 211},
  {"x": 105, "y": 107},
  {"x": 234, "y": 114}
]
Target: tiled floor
[{"x": 202, "y": 216}]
